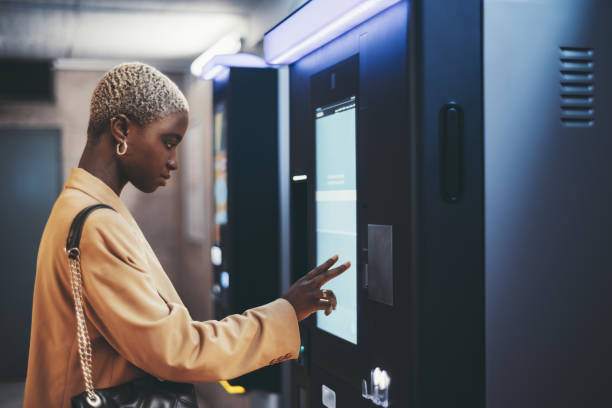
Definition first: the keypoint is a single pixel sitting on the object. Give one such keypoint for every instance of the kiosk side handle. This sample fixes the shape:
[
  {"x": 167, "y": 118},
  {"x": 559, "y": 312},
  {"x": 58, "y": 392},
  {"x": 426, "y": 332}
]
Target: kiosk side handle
[{"x": 451, "y": 152}]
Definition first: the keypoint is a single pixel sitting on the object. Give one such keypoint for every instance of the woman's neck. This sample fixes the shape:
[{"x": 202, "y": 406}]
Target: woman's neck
[{"x": 100, "y": 161}]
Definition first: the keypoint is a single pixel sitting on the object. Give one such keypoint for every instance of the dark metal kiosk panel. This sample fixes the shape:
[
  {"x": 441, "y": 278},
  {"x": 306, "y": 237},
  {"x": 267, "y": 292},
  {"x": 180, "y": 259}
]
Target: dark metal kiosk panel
[
  {"x": 548, "y": 99},
  {"x": 246, "y": 249},
  {"x": 414, "y": 71},
  {"x": 449, "y": 216}
]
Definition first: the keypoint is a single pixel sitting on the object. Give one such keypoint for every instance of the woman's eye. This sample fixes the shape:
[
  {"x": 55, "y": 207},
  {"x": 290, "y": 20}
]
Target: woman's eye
[{"x": 169, "y": 146}]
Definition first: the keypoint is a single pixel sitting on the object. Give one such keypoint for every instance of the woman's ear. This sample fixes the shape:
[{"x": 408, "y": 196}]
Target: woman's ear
[{"x": 119, "y": 125}]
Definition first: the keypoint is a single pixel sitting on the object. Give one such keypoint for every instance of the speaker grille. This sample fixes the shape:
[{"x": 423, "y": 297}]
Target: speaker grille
[{"x": 577, "y": 87}]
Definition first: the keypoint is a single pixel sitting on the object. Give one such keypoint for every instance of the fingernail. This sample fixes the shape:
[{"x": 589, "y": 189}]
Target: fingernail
[
  {"x": 347, "y": 264},
  {"x": 335, "y": 257}
]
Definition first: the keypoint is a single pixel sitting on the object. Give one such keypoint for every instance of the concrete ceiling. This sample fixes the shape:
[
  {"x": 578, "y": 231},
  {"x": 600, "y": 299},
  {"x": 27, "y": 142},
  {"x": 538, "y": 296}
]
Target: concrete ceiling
[{"x": 167, "y": 32}]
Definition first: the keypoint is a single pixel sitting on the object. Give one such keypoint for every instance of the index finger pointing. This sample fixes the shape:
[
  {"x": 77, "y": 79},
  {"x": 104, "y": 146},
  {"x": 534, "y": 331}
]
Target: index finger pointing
[
  {"x": 322, "y": 268},
  {"x": 323, "y": 278}
]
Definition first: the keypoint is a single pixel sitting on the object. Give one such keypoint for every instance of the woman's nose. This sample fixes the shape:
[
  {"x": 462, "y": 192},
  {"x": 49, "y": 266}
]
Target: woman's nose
[{"x": 172, "y": 164}]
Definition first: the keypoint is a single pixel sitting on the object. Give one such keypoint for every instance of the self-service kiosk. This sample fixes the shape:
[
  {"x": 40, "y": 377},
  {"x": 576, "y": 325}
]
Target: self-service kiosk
[
  {"x": 386, "y": 167},
  {"x": 457, "y": 152},
  {"x": 245, "y": 193}
]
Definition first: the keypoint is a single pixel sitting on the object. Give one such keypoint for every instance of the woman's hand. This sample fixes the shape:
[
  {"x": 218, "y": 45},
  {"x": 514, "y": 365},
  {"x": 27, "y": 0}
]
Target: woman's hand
[{"x": 306, "y": 295}]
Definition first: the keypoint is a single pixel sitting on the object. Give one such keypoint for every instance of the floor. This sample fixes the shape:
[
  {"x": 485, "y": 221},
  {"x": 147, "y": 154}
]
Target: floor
[
  {"x": 209, "y": 396},
  {"x": 11, "y": 393}
]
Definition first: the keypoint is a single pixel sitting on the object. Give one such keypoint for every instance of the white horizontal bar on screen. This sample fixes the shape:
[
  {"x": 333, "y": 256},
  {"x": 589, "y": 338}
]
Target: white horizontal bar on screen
[
  {"x": 337, "y": 195},
  {"x": 327, "y": 231}
]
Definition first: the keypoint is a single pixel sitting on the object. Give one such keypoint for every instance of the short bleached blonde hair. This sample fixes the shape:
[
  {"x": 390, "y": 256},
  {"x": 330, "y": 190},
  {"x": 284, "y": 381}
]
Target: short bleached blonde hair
[{"x": 136, "y": 90}]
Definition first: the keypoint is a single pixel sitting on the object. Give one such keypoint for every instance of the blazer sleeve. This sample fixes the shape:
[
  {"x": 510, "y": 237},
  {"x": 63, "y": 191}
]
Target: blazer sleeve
[{"x": 160, "y": 337}]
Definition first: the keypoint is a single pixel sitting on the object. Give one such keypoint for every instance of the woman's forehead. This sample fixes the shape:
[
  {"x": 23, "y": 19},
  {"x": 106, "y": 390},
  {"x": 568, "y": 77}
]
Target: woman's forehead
[{"x": 174, "y": 120}]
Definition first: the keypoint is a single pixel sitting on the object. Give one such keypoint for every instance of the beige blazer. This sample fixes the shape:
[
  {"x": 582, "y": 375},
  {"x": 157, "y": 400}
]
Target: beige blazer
[{"x": 136, "y": 320}]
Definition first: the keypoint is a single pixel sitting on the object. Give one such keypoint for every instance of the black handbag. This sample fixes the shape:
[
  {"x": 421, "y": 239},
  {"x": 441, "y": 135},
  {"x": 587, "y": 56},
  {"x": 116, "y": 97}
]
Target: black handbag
[{"x": 143, "y": 392}]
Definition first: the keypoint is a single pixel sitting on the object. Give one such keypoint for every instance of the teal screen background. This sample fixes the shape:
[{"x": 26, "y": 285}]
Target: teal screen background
[{"x": 336, "y": 211}]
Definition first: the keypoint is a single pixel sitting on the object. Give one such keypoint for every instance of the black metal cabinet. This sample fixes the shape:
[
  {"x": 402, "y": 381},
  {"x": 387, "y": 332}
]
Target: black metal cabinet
[{"x": 246, "y": 195}]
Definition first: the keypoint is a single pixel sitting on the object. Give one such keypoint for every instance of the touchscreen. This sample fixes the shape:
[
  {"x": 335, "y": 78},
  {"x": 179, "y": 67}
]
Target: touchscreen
[{"x": 336, "y": 210}]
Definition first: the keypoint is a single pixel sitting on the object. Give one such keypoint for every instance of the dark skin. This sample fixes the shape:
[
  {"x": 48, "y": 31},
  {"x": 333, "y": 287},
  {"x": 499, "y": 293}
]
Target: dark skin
[{"x": 150, "y": 158}]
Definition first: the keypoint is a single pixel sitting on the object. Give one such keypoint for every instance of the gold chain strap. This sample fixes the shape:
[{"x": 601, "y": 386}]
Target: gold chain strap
[{"x": 85, "y": 354}]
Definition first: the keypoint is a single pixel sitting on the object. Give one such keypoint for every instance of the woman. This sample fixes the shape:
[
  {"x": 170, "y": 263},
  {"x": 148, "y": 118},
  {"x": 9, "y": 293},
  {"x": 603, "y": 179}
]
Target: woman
[{"x": 135, "y": 318}]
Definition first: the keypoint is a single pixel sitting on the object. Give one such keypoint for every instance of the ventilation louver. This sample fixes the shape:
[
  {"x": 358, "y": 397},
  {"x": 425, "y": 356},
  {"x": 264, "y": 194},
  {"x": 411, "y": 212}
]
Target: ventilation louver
[{"x": 577, "y": 87}]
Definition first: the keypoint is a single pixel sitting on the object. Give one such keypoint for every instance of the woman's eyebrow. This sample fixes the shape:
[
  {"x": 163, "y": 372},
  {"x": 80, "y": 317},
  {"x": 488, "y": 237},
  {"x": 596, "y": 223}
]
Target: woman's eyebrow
[{"x": 175, "y": 135}]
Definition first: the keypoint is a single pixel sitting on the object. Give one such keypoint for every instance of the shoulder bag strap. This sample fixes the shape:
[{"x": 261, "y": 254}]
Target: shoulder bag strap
[{"x": 74, "y": 262}]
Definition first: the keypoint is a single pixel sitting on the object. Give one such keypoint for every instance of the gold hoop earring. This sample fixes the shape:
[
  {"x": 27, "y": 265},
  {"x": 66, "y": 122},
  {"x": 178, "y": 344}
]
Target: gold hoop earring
[{"x": 119, "y": 145}]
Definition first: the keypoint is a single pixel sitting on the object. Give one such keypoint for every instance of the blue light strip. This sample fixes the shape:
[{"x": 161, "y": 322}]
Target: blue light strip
[{"x": 315, "y": 24}]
